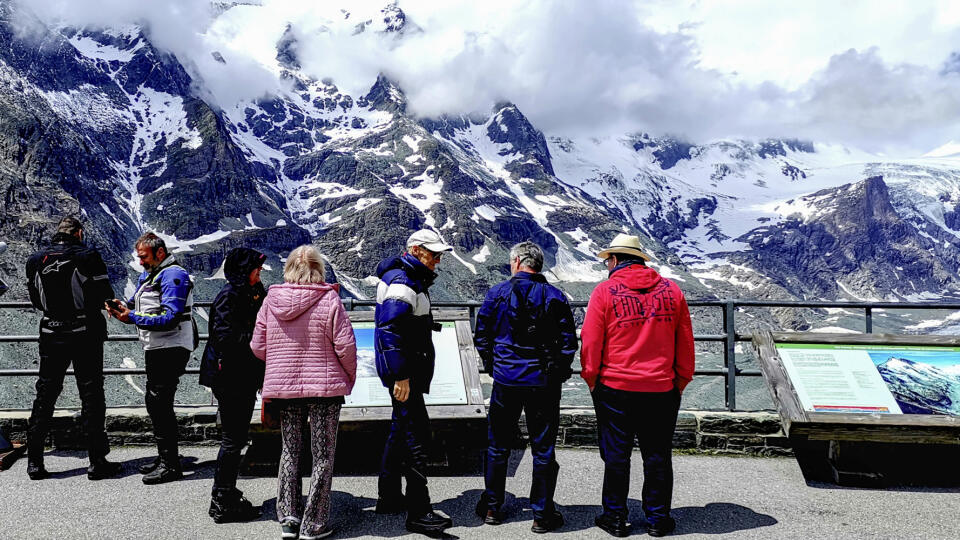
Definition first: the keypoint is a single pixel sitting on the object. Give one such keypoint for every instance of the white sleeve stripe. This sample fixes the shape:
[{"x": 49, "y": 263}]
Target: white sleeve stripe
[{"x": 396, "y": 291}]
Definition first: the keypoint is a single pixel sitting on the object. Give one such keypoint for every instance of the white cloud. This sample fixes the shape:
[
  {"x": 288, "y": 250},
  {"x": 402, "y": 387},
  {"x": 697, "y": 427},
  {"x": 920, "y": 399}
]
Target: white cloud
[{"x": 866, "y": 74}]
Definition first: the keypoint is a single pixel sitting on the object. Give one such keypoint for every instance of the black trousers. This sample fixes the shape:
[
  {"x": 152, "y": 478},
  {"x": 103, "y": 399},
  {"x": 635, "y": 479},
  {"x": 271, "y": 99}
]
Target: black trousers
[
  {"x": 542, "y": 406},
  {"x": 236, "y": 410},
  {"x": 57, "y": 352},
  {"x": 164, "y": 368},
  {"x": 405, "y": 454},
  {"x": 650, "y": 419}
]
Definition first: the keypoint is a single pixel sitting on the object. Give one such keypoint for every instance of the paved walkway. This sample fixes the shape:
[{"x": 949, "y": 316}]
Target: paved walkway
[{"x": 715, "y": 497}]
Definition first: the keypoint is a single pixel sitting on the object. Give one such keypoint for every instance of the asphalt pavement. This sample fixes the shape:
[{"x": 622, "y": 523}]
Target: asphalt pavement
[{"x": 715, "y": 497}]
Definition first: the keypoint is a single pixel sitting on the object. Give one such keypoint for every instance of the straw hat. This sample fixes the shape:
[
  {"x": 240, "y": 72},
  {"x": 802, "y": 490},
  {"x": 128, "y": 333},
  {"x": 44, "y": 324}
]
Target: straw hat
[{"x": 624, "y": 243}]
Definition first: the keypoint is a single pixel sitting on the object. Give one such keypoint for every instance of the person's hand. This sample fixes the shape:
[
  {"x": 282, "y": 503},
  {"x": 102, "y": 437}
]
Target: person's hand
[
  {"x": 118, "y": 310},
  {"x": 401, "y": 390}
]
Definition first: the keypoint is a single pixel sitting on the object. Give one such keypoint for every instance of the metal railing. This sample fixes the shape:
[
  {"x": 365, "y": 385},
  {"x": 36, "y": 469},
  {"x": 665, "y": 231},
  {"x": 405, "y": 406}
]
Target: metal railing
[{"x": 728, "y": 336}]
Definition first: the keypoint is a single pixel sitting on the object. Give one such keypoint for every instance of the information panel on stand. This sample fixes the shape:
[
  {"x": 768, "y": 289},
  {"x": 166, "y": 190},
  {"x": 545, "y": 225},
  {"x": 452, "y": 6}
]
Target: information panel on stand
[
  {"x": 455, "y": 390},
  {"x": 818, "y": 380}
]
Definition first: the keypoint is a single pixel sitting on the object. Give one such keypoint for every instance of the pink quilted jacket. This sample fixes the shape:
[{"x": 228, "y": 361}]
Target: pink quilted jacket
[{"x": 304, "y": 335}]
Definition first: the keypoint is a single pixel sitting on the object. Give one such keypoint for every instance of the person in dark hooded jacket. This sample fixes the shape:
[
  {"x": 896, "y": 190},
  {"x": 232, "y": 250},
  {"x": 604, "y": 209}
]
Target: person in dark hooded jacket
[
  {"x": 235, "y": 374},
  {"x": 403, "y": 348}
]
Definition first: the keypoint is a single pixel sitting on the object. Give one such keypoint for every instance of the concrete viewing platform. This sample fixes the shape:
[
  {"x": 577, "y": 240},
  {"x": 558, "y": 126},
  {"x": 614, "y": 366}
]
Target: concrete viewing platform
[{"x": 715, "y": 497}]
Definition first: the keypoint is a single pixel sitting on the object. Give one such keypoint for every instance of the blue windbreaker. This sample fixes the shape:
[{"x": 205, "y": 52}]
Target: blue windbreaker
[
  {"x": 526, "y": 335},
  {"x": 402, "y": 341}
]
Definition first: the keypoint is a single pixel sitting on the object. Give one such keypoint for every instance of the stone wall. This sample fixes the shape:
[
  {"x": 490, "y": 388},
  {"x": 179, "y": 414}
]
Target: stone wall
[{"x": 751, "y": 433}]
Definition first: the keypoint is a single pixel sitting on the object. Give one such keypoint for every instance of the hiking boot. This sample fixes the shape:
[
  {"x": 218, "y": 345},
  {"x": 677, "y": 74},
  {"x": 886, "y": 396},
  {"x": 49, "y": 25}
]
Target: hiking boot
[
  {"x": 430, "y": 524},
  {"x": 162, "y": 474},
  {"x": 232, "y": 506},
  {"x": 390, "y": 505},
  {"x": 290, "y": 529},
  {"x": 36, "y": 471},
  {"x": 547, "y": 524},
  {"x": 149, "y": 466},
  {"x": 662, "y": 527},
  {"x": 100, "y": 469},
  {"x": 613, "y": 525}
]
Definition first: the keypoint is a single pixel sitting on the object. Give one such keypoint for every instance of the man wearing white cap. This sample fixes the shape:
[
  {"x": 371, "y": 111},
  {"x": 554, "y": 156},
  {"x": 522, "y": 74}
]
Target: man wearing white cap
[
  {"x": 403, "y": 346},
  {"x": 637, "y": 357}
]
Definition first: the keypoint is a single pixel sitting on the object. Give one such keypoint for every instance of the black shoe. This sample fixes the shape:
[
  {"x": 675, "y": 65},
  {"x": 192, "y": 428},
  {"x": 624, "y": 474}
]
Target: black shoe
[
  {"x": 390, "y": 505},
  {"x": 548, "y": 524},
  {"x": 490, "y": 517},
  {"x": 162, "y": 474},
  {"x": 36, "y": 471},
  {"x": 662, "y": 527},
  {"x": 430, "y": 524},
  {"x": 231, "y": 507},
  {"x": 150, "y": 466},
  {"x": 615, "y": 526},
  {"x": 100, "y": 469}
]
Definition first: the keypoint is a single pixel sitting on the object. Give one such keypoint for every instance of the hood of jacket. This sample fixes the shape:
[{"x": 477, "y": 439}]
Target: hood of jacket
[
  {"x": 635, "y": 276},
  {"x": 287, "y": 301},
  {"x": 410, "y": 265},
  {"x": 239, "y": 263}
]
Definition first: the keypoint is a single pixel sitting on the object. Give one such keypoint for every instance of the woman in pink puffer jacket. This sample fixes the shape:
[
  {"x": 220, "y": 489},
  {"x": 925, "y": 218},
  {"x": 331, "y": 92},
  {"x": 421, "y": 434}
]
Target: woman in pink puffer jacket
[{"x": 304, "y": 335}]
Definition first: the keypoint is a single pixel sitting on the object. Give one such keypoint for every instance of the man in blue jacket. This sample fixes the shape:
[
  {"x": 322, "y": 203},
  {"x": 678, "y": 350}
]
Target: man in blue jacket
[
  {"x": 403, "y": 345},
  {"x": 162, "y": 307},
  {"x": 527, "y": 338}
]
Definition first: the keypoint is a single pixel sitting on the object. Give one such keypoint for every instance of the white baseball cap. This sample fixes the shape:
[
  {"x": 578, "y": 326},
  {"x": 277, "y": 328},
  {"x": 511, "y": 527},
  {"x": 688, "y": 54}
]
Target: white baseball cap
[{"x": 429, "y": 240}]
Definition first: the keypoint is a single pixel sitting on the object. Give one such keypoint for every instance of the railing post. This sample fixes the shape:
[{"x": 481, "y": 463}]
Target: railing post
[
  {"x": 730, "y": 354},
  {"x": 473, "y": 317},
  {"x": 868, "y": 311},
  {"x": 349, "y": 303}
]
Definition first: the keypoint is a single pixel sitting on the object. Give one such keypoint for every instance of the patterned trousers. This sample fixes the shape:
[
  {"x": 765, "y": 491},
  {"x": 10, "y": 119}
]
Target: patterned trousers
[{"x": 323, "y": 417}]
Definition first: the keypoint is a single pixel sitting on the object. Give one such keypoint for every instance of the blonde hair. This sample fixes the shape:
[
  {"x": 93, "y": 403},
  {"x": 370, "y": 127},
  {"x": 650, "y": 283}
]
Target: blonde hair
[{"x": 303, "y": 266}]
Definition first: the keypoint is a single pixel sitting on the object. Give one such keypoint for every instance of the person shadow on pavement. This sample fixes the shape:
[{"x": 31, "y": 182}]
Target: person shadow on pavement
[
  {"x": 353, "y": 517},
  {"x": 713, "y": 518},
  {"x": 193, "y": 470}
]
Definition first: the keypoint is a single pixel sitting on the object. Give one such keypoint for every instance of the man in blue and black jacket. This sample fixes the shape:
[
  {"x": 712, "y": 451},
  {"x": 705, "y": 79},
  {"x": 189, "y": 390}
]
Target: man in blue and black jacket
[
  {"x": 403, "y": 345},
  {"x": 527, "y": 339},
  {"x": 162, "y": 308}
]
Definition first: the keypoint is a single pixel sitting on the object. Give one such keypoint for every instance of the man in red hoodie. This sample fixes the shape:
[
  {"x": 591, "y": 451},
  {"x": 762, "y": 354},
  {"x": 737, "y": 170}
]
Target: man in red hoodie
[{"x": 637, "y": 357}]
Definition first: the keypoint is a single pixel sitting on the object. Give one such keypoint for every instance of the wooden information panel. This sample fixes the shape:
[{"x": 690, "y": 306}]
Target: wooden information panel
[
  {"x": 455, "y": 391},
  {"x": 844, "y": 399}
]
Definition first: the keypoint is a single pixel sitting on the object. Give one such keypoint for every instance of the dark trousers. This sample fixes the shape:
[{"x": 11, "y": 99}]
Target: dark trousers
[
  {"x": 405, "y": 454},
  {"x": 650, "y": 418},
  {"x": 236, "y": 410},
  {"x": 164, "y": 368},
  {"x": 542, "y": 407},
  {"x": 57, "y": 352}
]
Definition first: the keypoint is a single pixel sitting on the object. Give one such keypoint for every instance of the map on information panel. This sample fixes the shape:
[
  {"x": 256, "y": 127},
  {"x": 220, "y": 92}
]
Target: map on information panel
[
  {"x": 447, "y": 388},
  {"x": 885, "y": 379}
]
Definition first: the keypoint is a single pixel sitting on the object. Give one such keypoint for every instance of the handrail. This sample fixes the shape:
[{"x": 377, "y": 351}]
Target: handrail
[{"x": 729, "y": 337}]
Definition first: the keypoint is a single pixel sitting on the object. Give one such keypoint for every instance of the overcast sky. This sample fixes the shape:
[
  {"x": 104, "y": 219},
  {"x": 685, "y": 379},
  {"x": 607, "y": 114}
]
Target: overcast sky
[{"x": 867, "y": 74}]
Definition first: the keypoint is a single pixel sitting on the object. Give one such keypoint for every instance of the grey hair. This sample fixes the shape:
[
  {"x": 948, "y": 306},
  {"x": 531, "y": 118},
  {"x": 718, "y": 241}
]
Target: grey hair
[
  {"x": 530, "y": 255},
  {"x": 304, "y": 265},
  {"x": 152, "y": 241}
]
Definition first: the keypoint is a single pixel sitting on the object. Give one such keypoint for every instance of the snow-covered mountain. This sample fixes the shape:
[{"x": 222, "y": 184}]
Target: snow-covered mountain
[
  {"x": 101, "y": 120},
  {"x": 922, "y": 388}
]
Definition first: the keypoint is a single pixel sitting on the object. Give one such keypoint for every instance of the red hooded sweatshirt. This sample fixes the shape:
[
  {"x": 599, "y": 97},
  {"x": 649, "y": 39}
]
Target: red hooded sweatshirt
[{"x": 637, "y": 334}]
